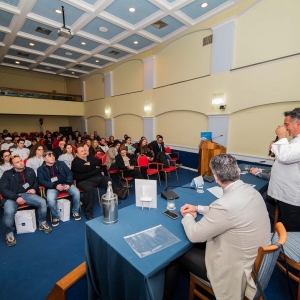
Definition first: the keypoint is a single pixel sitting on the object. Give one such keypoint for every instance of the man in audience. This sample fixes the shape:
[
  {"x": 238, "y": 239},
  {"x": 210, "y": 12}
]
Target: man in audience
[
  {"x": 233, "y": 227},
  {"x": 284, "y": 184},
  {"x": 96, "y": 136},
  {"x": 7, "y": 143},
  {"x": 21, "y": 150},
  {"x": 59, "y": 150},
  {"x": 158, "y": 148},
  {"x": 88, "y": 176},
  {"x": 5, "y": 133},
  {"x": 27, "y": 143},
  {"x": 15, "y": 143},
  {"x": 33, "y": 143},
  {"x": 19, "y": 186},
  {"x": 57, "y": 177}
]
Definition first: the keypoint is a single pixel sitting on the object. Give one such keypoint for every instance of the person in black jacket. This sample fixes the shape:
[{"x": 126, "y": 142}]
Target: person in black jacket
[
  {"x": 87, "y": 173},
  {"x": 57, "y": 177},
  {"x": 124, "y": 163},
  {"x": 19, "y": 186}
]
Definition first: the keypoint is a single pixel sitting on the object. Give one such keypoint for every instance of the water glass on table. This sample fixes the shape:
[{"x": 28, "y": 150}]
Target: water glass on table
[{"x": 199, "y": 188}]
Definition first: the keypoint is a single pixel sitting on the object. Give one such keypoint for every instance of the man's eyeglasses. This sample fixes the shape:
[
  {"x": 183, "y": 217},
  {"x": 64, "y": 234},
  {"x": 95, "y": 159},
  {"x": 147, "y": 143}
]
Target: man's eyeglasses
[{"x": 48, "y": 154}]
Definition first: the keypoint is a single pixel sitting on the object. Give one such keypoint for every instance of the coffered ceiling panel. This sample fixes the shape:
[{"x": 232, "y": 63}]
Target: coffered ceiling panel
[{"x": 104, "y": 31}]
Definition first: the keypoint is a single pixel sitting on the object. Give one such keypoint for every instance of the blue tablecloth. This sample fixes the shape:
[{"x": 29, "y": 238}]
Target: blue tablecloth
[{"x": 114, "y": 270}]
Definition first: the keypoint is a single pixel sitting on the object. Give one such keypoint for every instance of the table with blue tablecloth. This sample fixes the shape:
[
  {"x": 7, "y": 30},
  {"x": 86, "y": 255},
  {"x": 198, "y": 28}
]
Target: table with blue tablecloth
[{"x": 115, "y": 271}]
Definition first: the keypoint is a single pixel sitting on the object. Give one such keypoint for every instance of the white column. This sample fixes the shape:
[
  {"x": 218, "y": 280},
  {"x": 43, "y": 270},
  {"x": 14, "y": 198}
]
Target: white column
[
  {"x": 149, "y": 128},
  {"x": 84, "y": 126},
  {"x": 109, "y": 127},
  {"x": 223, "y": 45},
  {"x": 149, "y": 73},
  {"x": 108, "y": 84},
  {"x": 218, "y": 125},
  {"x": 83, "y": 91}
]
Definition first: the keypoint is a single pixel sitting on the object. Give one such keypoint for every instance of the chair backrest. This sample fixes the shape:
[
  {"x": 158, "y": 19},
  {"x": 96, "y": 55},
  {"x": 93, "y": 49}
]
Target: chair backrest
[
  {"x": 266, "y": 258},
  {"x": 168, "y": 149},
  {"x": 99, "y": 155},
  {"x": 25, "y": 161},
  {"x": 142, "y": 161}
]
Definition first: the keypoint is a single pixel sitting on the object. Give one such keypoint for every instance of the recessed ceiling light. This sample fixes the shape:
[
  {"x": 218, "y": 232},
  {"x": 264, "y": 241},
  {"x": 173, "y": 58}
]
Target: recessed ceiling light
[
  {"x": 31, "y": 44},
  {"x": 48, "y": 68},
  {"x": 135, "y": 42},
  {"x": 17, "y": 62},
  {"x": 73, "y": 72},
  {"x": 68, "y": 53},
  {"x": 58, "y": 11},
  {"x": 103, "y": 29},
  {"x": 204, "y": 4},
  {"x": 97, "y": 60},
  {"x": 83, "y": 43},
  {"x": 132, "y": 9}
]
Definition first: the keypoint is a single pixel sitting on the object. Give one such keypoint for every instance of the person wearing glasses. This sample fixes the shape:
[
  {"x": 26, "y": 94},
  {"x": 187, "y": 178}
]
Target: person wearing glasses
[
  {"x": 35, "y": 158},
  {"x": 19, "y": 186},
  {"x": 4, "y": 161},
  {"x": 57, "y": 177},
  {"x": 21, "y": 150}
]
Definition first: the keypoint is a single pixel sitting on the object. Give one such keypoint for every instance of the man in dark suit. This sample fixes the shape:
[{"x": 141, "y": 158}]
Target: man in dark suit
[{"x": 87, "y": 173}]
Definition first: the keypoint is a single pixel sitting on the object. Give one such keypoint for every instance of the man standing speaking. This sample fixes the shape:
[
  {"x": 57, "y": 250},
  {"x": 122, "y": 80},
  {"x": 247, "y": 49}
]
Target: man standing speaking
[{"x": 284, "y": 184}]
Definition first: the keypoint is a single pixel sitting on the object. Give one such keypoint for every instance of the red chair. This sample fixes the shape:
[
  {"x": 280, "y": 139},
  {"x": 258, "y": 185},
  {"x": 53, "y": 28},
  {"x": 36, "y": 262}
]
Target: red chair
[
  {"x": 42, "y": 141},
  {"x": 74, "y": 148},
  {"x": 31, "y": 134},
  {"x": 126, "y": 179},
  {"x": 143, "y": 161},
  {"x": 99, "y": 155},
  {"x": 20, "y": 206},
  {"x": 167, "y": 170},
  {"x": 110, "y": 172},
  {"x": 173, "y": 159}
]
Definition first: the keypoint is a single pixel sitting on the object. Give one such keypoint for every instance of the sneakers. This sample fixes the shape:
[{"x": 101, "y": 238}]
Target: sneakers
[
  {"x": 55, "y": 222},
  {"x": 10, "y": 241},
  {"x": 76, "y": 216},
  {"x": 45, "y": 227}
]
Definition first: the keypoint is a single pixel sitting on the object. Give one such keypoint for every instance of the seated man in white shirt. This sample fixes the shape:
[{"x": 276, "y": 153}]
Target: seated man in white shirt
[
  {"x": 7, "y": 143},
  {"x": 21, "y": 150},
  {"x": 27, "y": 142}
]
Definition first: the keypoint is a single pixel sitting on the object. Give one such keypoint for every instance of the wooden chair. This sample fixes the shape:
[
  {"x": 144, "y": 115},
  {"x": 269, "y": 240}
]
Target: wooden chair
[
  {"x": 143, "y": 161},
  {"x": 126, "y": 179},
  {"x": 292, "y": 253},
  {"x": 263, "y": 265},
  {"x": 173, "y": 159},
  {"x": 166, "y": 170}
]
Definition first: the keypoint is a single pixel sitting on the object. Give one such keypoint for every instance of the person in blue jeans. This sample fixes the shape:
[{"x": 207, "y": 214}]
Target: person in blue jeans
[
  {"x": 19, "y": 186},
  {"x": 57, "y": 177}
]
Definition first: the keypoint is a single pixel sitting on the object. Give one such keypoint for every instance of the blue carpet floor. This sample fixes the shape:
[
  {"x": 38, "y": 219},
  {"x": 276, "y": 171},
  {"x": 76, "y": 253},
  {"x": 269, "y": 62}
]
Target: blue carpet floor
[{"x": 30, "y": 269}]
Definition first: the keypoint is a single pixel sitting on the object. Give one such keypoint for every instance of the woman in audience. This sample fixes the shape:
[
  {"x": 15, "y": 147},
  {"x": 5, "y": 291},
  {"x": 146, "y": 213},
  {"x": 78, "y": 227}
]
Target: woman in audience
[
  {"x": 95, "y": 148},
  {"x": 63, "y": 138},
  {"x": 111, "y": 140},
  {"x": 129, "y": 148},
  {"x": 48, "y": 141},
  {"x": 71, "y": 141},
  {"x": 144, "y": 149},
  {"x": 79, "y": 141},
  {"x": 35, "y": 158},
  {"x": 111, "y": 154},
  {"x": 68, "y": 155},
  {"x": 87, "y": 146},
  {"x": 125, "y": 164},
  {"x": 4, "y": 161}
]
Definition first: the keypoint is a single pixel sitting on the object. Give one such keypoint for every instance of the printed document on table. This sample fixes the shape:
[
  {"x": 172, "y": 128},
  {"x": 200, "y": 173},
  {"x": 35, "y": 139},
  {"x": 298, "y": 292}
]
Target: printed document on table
[
  {"x": 151, "y": 240},
  {"x": 216, "y": 191}
]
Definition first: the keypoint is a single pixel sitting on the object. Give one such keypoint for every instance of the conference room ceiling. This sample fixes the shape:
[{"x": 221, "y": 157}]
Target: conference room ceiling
[{"x": 105, "y": 31}]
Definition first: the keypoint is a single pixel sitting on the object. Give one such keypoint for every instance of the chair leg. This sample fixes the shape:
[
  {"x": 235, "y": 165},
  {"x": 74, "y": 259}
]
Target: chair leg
[
  {"x": 166, "y": 178},
  {"x": 99, "y": 198},
  {"x": 176, "y": 175},
  {"x": 192, "y": 288},
  {"x": 298, "y": 297},
  {"x": 158, "y": 176}
]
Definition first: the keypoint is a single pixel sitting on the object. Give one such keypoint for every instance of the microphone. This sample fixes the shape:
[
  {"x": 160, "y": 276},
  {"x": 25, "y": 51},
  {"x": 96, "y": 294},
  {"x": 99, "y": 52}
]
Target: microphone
[
  {"x": 270, "y": 152},
  {"x": 216, "y": 137}
]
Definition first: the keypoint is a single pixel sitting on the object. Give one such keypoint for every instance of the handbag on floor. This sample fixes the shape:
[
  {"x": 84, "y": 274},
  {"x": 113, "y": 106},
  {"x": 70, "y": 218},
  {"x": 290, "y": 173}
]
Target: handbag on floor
[{"x": 121, "y": 192}]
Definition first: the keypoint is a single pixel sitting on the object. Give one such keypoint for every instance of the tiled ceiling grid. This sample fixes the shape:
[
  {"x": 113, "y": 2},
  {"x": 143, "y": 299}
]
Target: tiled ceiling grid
[{"x": 105, "y": 31}]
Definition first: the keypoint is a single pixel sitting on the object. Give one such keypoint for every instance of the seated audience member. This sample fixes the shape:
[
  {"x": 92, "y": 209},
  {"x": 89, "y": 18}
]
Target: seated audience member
[
  {"x": 27, "y": 143},
  {"x": 48, "y": 141},
  {"x": 77, "y": 134},
  {"x": 111, "y": 154},
  {"x": 15, "y": 134},
  {"x": 129, "y": 148},
  {"x": 35, "y": 158},
  {"x": 33, "y": 143},
  {"x": 7, "y": 143},
  {"x": 284, "y": 185},
  {"x": 5, "y": 133},
  {"x": 158, "y": 148},
  {"x": 79, "y": 141},
  {"x": 103, "y": 145},
  {"x": 4, "y": 161},
  {"x": 143, "y": 149},
  {"x": 125, "y": 136},
  {"x": 87, "y": 146},
  {"x": 111, "y": 140},
  {"x": 15, "y": 143},
  {"x": 1, "y": 138},
  {"x": 63, "y": 138},
  {"x": 71, "y": 141},
  {"x": 125, "y": 164},
  {"x": 56, "y": 177},
  {"x": 21, "y": 150},
  {"x": 56, "y": 140},
  {"x": 37, "y": 136},
  {"x": 19, "y": 186},
  {"x": 85, "y": 136},
  {"x": 92, "y": 137},
  {"x": 88, "y": 176},
  {"x": 231, "y": 230},
  {"x": 68, "y": 155},
  {"x": 94, "y": 148},
  {"x": 96, "y": 136},
  {"x": 59, "y": 150}
]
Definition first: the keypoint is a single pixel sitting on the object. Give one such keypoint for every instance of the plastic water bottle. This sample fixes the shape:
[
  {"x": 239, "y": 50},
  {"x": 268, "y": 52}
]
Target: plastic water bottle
[{"x": 109, "y": 191}]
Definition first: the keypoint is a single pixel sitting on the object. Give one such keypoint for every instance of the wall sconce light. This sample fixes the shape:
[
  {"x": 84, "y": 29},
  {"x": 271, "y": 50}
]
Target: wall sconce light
[
  {"x": 107, "y": 112},
  {"x": 218, "y": 101},
  {"x": 147, "y": 108}
]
